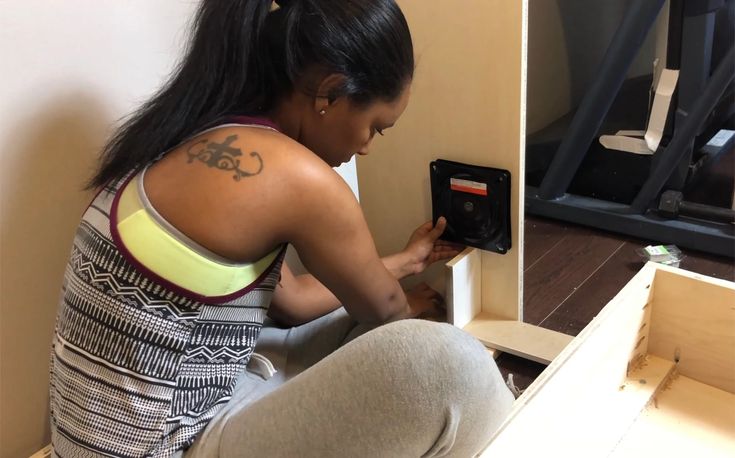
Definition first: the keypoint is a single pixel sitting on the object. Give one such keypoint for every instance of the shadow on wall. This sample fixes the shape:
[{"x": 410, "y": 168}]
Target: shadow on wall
[{"x": 52, "y": 154}]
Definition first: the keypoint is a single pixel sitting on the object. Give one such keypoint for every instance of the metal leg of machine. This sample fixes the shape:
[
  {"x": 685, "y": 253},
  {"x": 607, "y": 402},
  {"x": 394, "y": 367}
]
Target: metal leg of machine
[{"x": 672, "y": 220}]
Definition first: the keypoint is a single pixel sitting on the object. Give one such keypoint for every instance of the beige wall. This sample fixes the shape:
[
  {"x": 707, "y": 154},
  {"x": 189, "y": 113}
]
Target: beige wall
[{"x": 68, "y": 71}]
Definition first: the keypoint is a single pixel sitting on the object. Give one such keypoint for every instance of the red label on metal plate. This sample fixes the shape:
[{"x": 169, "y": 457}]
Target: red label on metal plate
[{"x": 473, "y": 187}]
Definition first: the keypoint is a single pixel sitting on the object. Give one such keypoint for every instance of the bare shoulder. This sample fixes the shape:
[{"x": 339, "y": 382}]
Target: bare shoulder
[
  {"x": 249, "y": 151},
  {"x": 216, "y": 185},
  {"x": 241, "y": 155}
]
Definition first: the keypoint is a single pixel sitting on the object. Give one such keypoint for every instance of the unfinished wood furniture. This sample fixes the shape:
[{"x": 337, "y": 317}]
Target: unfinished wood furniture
[
  {"x": 652, "y": 375},
  {"x": 469, "y": 308},
  {"x": 467, "y": 105}
]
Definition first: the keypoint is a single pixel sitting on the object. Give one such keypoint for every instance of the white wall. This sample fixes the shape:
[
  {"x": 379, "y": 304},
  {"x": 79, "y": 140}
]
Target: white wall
[{"x": 68, "y": 71}]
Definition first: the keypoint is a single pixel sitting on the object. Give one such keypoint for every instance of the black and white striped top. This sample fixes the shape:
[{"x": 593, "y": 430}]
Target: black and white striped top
[{"x": 139, "y": 365}]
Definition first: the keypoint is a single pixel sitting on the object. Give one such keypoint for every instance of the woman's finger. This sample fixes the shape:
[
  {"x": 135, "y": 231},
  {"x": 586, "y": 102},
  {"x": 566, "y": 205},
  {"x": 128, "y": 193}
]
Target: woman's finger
[
  {"x": 458, "y": 246},
  {"x": 438, "y": 230}
]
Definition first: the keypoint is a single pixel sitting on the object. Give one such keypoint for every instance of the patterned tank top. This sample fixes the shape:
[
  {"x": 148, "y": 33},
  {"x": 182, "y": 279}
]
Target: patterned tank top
[{"x": 152, "y": 331}]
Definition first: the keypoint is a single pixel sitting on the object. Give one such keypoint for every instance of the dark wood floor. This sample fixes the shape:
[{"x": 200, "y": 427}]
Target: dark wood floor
[{"x": 571, "y": 272}]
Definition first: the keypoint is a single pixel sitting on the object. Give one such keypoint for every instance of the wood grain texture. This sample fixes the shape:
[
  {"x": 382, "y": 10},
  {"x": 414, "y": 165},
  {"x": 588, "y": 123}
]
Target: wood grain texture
[
  {"x": 467, "y": 105},
  {"x": 578, "y": 309},
  {"x": 705, "y": 264},
  {"x": 693, "y": 317},
  {"x": 566, "y": 407},
  {"x": 540, "y": 237},
  {"x": 580, "y": 404},
  {"x": 518, "y": 338},
  {"x": 564, "y": 270},
  {"x": 580, "y": 304},
  {"x": 689, "y": 419}
]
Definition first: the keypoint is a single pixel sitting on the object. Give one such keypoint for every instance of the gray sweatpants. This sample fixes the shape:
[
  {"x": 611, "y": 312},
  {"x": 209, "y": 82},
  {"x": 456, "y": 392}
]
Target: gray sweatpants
[{"x": 411, "y": 388}]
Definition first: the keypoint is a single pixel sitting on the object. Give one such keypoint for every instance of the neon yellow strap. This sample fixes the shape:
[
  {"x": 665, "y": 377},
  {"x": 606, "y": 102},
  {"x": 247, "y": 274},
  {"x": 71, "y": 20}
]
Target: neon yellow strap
[{"x": 158, "y": 250}]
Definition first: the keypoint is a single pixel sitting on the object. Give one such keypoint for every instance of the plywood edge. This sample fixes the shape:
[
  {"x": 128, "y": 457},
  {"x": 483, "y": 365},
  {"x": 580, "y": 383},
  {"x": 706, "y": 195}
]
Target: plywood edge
[
  {"x": 493, "y": 352},
  {"x": 690, "y": 419},
  {"x": 594, "y": 420},
  {"x": 464, "y": 287},
  {"x": 599, "y": 344},
  {"x": 676, "y": 271},
  {"x": 693, "y": 321},
  {"x": 518, "y": 338}
]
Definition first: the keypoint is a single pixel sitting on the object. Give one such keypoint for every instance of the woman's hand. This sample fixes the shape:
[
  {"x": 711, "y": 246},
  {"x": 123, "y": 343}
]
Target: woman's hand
[
  {"x": 425, "y": 303},
  {"x": 424, "y": 247}
]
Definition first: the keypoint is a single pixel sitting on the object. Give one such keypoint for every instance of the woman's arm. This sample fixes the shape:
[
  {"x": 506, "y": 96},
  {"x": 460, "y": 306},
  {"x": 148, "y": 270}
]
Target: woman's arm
[
  {"x": 326, "y": 226},
  {"x": 300, "y": 299}
]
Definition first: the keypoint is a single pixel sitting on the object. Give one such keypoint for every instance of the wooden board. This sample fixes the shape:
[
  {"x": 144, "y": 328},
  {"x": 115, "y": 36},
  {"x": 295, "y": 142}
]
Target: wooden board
[
  {"x": 689, "y": 419},
  {"x": 518, "y": 338},
  {"x": 468, "y": 105},
  {"x": 693, "y": 318},
  {"x": 464, "y": 310},
  {"x": 464, "y": 287},
  {"x": 562, "y": 399},
  {"x": 608, "y": 393}
]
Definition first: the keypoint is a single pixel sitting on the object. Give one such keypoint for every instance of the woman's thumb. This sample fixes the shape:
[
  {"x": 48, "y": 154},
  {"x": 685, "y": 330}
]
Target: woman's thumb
[{"x": 438, "y": 230}]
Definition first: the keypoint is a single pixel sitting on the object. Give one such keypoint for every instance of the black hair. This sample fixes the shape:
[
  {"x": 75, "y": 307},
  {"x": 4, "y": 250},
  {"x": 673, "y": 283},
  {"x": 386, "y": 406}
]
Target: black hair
[{"x": 245, "y": 55}]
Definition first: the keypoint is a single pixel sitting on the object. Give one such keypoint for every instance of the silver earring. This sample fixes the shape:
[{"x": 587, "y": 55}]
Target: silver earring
[{"x": 323, "y": 112}]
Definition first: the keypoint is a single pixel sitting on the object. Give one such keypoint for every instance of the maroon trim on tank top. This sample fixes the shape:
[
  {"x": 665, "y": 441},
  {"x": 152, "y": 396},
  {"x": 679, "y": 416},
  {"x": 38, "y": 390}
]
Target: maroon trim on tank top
[
  {"x": 260, "y": 121},
  {"x": 166, "y": 283}
]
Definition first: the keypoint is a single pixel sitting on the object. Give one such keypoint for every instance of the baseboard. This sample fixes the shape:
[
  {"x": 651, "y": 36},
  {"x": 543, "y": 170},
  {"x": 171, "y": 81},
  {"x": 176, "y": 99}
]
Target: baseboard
[{"x": 43, "y": 453}]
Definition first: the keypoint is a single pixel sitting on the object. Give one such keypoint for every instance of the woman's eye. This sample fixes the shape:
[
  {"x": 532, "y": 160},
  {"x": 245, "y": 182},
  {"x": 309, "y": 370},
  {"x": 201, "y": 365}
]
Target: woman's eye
[{"x": 380, "y": 132}]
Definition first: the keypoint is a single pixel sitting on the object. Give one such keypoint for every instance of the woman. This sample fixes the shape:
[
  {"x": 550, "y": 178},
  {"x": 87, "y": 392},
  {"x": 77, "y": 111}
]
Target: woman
[{"x": 179, "y": 257}]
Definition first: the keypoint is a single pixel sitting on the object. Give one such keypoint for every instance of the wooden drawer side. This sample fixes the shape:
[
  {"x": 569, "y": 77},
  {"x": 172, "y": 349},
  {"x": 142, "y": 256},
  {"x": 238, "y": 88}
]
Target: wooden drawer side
[
  {"x": 593, "y": 372},
  {"x": 652, "y": 372},
  {"x": 693, "y": 322}
]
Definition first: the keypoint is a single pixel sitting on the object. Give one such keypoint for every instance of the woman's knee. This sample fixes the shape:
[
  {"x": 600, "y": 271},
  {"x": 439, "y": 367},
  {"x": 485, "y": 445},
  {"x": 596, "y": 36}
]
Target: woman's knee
[
  {"x": 444, "y": 358},
  {"x": 470, "y": 399},
  {"x": 444, "y": 348}
]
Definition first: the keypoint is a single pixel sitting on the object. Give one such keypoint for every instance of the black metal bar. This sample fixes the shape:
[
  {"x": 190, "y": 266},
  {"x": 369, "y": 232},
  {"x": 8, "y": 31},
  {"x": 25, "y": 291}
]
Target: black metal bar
[
  {"x": 684, "y": 132},
  {"x": 676, "y": 28},
  {"x": 707, "y": 212},
  {"x": 628, "y": 39},
  {"x": 696, "y": 64},
  {"x": 698, "y": 235}
]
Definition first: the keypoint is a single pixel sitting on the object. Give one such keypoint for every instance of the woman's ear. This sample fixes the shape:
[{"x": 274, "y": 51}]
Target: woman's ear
[{"x": 328, "y": 92}]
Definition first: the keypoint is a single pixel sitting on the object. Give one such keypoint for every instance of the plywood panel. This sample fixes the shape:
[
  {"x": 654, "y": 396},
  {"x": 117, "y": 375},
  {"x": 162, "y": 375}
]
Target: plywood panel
[
  {"x": 463, "y": 287},
  {"x": 689, "y": 419},
  {"x": 560, "y": 407},
  {"x": 70, "y": 70},
  {"x": 693, "y": 318},
  {"x": 466, "y": 105},
  {"x": 595, "y": 396},
  {"x": 518, "y": 338}
]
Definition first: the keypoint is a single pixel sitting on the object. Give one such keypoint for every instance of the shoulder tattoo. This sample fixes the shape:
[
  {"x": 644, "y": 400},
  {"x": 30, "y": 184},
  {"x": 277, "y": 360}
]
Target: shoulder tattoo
[{"x": 223, "y": 156}]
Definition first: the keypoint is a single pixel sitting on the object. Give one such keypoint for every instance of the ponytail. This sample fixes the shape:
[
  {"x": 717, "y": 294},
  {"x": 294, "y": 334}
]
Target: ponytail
[
  {"x": 243, "y": 58},
  {"x": 216, "y": 75}
]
